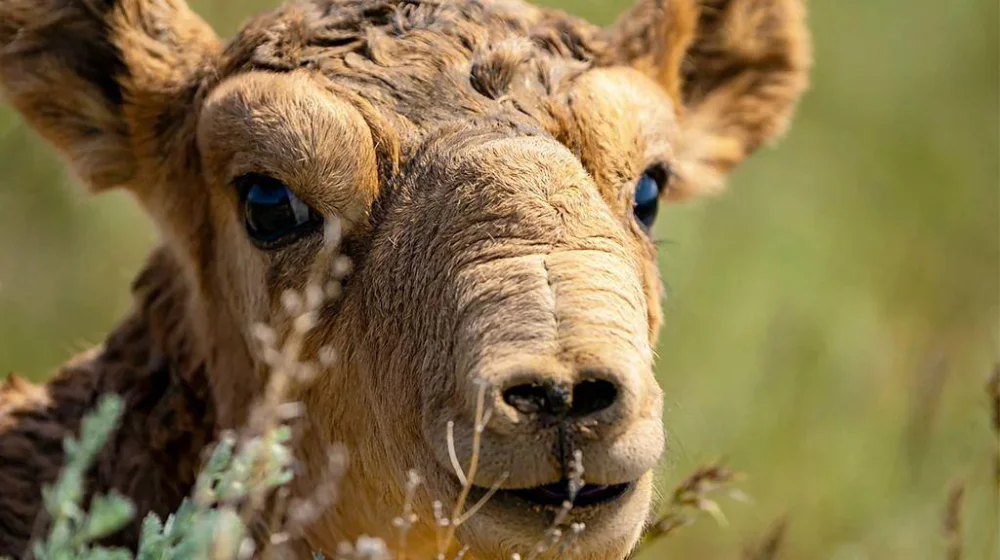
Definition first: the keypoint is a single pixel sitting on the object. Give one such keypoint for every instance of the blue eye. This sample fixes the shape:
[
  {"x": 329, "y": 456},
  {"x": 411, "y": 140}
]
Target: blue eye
[
  {"x": 272, "y": 214},
  {"x": 646, "y": 201}
]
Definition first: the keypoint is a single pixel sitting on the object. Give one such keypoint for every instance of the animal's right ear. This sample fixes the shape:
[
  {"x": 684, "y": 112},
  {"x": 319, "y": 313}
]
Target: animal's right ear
[
  {"x": 734, "y": 68},
  {"x": 97, "y": 78}
]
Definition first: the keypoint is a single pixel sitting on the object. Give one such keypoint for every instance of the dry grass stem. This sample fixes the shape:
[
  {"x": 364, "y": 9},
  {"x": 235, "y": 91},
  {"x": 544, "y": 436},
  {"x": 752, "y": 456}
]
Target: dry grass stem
[
  {"x": 288, "y": 372},
  {"x": 303, "y": 511},
  {"x": 453, "y": 455},
  {"x": 448, "y": 525},
  {"x": 770, "y": 546},
  {"x": 482, "y": 501},
  {"x": 952, "y": 523},
  {"x": 406, "y": 520},
  {"x": 554, "y": 534},
  {"x": 993, "y": 393}
]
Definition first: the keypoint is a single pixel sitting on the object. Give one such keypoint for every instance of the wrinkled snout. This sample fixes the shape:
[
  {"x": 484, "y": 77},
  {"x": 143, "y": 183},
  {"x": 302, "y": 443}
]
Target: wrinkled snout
[
  {"x": 564, "y": 354},
  {"x": 546, "y": 310},
  {"x": 582, "y": 361}
]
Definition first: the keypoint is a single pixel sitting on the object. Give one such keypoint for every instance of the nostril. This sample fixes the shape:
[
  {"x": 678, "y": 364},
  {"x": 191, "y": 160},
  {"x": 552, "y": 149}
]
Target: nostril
[
  {"x": 555, "y": 400},
  {"x": 537, "y": 398},
  {"x": 529, "y": 398},
  {"x": 593, "y": 395}
]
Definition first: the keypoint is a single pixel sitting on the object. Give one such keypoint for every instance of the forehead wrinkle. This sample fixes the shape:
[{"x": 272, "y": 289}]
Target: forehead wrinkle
[{"x": 416, "y": 58}]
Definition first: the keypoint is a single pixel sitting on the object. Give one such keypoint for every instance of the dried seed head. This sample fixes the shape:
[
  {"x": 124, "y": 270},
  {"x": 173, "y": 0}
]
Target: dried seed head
[
  {"x": 413, "y": 478},
  {"x": 314, "y": 297},
  {"x": 264, "y": 334},
  {"x": 342, "y": 266},
  {"x": 576, "y": 474},
  {"x": 304, "y": 323},
  {"x": 247, "y": 548},
  {"x": 272, "y": 357},
  {"x": 306, "y": 372},
  {"x": 332, "y": 290},
  {"x": 332, "y": 233},
  {"x": 371, "y": 548},
  {"x": 291, "y": 302},
  {"x": 290, "y": 411},
  {"x": 327, "y": 356}
]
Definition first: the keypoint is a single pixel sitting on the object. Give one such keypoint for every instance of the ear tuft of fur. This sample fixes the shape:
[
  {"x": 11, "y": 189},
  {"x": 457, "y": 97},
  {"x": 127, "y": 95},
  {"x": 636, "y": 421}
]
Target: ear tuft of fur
[
  {"x": 58, "y": 68},
  {"x": 653, "y": 37},
  {"x": 743, "y": 77},
  {"x": 744, "y": 65},
  {"x": 74, "y": 68}
]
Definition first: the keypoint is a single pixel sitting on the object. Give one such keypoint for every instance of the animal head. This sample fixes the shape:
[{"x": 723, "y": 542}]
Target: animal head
[{"x": 494, "y": 169}]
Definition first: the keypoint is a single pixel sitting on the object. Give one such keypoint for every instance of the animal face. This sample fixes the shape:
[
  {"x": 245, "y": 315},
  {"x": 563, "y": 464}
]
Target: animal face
[{"x": 493, "y": 170}]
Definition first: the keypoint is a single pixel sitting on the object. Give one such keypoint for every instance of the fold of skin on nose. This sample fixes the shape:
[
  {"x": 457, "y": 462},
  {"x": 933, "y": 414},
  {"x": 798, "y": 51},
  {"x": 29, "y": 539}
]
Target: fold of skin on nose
[
  {"x": 594, "y": 328},
  {"x": 561, "y": 317}
]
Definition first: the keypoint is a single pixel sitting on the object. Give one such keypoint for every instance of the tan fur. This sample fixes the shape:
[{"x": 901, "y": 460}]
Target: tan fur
[{"x": 482, "y": 156}]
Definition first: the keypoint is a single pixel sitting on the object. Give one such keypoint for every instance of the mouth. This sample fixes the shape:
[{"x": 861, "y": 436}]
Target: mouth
[{"x": 555, "y": 495}]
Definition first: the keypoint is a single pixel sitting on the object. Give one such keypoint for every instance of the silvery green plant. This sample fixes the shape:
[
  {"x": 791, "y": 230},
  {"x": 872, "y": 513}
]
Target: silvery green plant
[
  {"x": 207, "y": 525},
  {"x": 74, "y": 531}
]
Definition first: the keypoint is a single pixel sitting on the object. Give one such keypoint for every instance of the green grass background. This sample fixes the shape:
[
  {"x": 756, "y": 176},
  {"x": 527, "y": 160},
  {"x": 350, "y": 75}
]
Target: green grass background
[{"x": 831, "y": 320}]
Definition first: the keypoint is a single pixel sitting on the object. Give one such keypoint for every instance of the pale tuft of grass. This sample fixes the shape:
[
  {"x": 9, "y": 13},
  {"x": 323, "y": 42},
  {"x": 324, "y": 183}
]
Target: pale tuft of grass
[{"x": 695, "y": 495}]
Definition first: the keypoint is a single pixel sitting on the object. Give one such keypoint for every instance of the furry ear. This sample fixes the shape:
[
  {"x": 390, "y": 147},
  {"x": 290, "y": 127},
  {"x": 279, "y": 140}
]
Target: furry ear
[
  {"x": 82, "y": 72},
  {"x": 735, "y": 69}
]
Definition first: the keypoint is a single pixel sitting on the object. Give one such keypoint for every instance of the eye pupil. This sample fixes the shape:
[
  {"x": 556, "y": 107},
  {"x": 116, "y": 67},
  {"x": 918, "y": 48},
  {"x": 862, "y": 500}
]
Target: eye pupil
[
  {"x": 273, "y": 215},
  {"x": 646, "y": 201}
]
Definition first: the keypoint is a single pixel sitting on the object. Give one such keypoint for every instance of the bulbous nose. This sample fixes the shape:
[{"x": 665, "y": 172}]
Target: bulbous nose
[{"x": 546, "y": 398}]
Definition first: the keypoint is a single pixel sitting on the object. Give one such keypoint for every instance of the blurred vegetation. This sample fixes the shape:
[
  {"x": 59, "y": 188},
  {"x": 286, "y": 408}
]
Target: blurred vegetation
[{"x": 831, "y": 320}]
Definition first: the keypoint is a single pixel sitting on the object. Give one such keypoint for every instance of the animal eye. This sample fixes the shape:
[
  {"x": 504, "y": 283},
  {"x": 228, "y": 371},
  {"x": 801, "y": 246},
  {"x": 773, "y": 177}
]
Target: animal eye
[
  {"x": 646, "y": 200},
  {"x": 272, "y": 214}
]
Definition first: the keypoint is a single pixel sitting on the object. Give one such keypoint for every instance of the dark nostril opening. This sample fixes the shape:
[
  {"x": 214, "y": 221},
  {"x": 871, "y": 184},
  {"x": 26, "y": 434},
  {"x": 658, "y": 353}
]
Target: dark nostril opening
[
  {"x": 588, "y": 397},
  {"x": 528, "y": 398},
  {"x": 593, "y": 395},
  {"x": 535, "y": 398}
]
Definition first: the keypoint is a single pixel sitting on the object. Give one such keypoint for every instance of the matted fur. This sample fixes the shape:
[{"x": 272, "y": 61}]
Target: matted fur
[{"x": 482, "y": 156}]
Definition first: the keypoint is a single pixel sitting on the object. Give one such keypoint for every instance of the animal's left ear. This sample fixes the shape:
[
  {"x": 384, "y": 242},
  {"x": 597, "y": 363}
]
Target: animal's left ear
[
  {"x": 104, "y": 80},
  {"x": 735, "y": 69}
]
